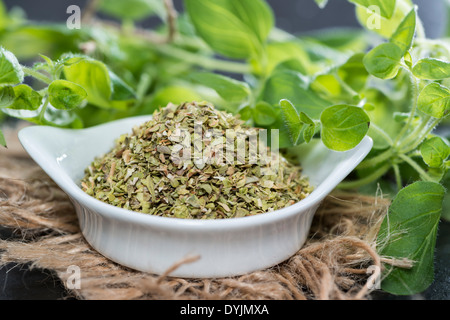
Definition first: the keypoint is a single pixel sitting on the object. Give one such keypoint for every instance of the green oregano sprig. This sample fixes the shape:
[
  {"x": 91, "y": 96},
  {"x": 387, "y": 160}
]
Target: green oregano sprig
[{"x": 69, "y": 84}]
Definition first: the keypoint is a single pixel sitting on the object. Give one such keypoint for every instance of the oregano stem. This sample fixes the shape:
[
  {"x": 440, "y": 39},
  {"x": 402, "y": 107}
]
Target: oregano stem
[
  {"x": 44, "y": 108},
  {"x": 201, "y": 61},
  {"x": 415, "y": 166},
  {"x": 398, "y": 177},
  {"x": 366, "y": 180},
  {"x": 372, "y": 162},
  {"x": 421, "y": 136},
  {"x": 171, "y": 20},
  {"x": 382, "y": 133},
  {"x": 415, "y": 134},
  {"x": 415, "y": 83},
  {"x": 37, "y": 75}
]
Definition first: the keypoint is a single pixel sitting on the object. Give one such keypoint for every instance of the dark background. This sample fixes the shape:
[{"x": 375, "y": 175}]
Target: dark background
[
  {"x": 295, "y": 16},
  {"x": 292, "y": 15}
]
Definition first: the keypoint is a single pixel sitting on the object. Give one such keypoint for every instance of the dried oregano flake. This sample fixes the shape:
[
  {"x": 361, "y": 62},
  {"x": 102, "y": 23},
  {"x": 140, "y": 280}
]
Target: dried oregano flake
[{"x": 179, "y": 164}]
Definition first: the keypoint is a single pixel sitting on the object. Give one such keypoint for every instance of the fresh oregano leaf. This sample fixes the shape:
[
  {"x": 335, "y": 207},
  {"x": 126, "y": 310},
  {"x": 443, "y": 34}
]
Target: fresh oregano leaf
[
  {"x": 132, "y": 9},
  {"x": 328, "y": 84},
  {"x": 48, "y": 61},
  {"x": 7, "y": 96},
  {"x": 404, "y": 35},
  {"x": 11, "y": 72},
  {"x": 233, "y": 28},
  {"x": 94, "y": 77},
  {"x": 292, "y": 86},
  {"x": 309, "y": 132},
  {"x": 386, "y": 7},
  {"x": 66, "y": 95},
  {"x": 245, "y": 113},
  {"x": 343, "y": 127},
  {"x": 432, "y": 69},
  {"x": 229, "y": 89},
  {"x": 354, "y": 73},
  {"x": 305, "y": 119},
  {"x": 409, "y": 231},
  {"x": 120, "y": 90},
  {"x": 264, "y": 114},
  {"x": 384, "y": 60},
  {"x": 434, "y": 152},
  {"x": 310, "y": 127},
  {"x": 289, "y": 53},
  {"x": 408, "y": 60},
  {"x": 25, "y": 98},
  {"x": 292, "y": 120},
  {"x": 434, "y": 100},
  {"x": 369, "y": 19}
]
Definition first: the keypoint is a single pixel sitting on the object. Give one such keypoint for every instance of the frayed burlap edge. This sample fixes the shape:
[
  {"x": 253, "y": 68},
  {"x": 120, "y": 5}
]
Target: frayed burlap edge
[{"x": 333, "y": 264}]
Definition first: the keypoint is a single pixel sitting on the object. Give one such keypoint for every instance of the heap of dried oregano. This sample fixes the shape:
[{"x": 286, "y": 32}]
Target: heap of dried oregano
[{"x": 189, "y": 162}]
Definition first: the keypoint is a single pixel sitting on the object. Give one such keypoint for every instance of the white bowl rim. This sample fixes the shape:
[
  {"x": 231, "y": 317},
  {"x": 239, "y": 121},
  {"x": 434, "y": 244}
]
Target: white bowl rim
[{"x": 74, "y": 191}]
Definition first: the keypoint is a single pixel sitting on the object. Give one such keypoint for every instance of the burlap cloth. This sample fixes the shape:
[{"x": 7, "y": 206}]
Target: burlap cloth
[{"x": 333, "y": 264}]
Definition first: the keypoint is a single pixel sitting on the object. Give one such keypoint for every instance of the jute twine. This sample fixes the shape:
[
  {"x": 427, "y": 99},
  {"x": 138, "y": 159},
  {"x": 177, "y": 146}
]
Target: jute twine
[{"x": 333, "y": 264}]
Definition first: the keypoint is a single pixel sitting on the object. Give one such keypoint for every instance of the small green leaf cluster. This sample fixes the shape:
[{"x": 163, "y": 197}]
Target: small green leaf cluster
[{"x": 66, "y": 85}]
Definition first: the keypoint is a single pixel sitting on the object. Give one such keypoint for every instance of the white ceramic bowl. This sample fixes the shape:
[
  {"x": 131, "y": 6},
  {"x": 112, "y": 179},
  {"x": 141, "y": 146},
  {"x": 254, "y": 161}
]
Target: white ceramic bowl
[{"x": 153, "y": 244}]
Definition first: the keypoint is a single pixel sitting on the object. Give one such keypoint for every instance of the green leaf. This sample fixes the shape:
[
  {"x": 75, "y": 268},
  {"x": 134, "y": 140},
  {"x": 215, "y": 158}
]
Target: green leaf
[
  {"x": 66, "y": 95},
  {"x": 290, "y": 52},
  {"x": 434, "y": 100},
  {"x": 52, "y": 117},
  {"x": 387, "y": 7},
  {"x": 234, "y": 28},
  {"x": 2, "y": 139},
  {"x": 229, "y": 89},
  {"x": 121, "y": 90},
  {"x": 381, "y": 116},
  {"x": 409, "y": 231},
  {"x": 246, "y": 113},
  {"x": 31, "y": 39},
  {"x": 434, "y": 152},
  {"x": 11, "y": 72},
  {"x": 354, "y": 73},
  {"x": 432, "y": 69},
  {"x": 309, "y": 132},
  {"x": 132, "y": 9},
  {"x": 343, "y": 127},
  {"x": 382, "y": 26},
  {"x": 173, "y": 94},
  {"x": 264, "y": 114},
  {"x": 49, "y": 61},
  {"x": 104, "y": 88},
  {"x": 404, "y": 35},
  {"x": 7, "y": 96},
  {"x": 293, "y": 86},
  {"x": 292, "y": 120},
  {"x": 305, "y": 119},
  {"x": 328, "y": 84},
  {"x": 26, "y": 98},
  {"x": 408, "y": 60},
  {"x": 384, "y": 60},
  {"x": 94, "y": 77}
]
